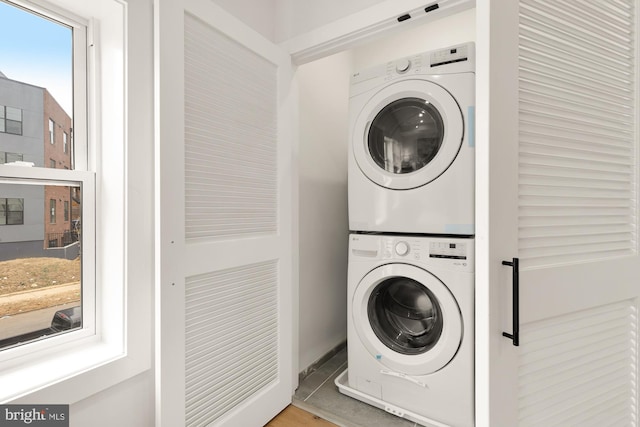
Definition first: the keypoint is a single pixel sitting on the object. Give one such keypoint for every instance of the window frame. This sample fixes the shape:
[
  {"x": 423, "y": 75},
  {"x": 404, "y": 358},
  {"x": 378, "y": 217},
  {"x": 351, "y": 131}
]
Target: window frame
[
  {"x": 4, "y": 120},
  {"x": 8, "y": 211},
  {"x": 4, "y": 202},
  {"x": 4, "y": 157},
  {"x": 7, "y": 119},
  {"x": 19, "y": 157},
  {"x": 86, "y": 181},
  {"x": 73, "y": 366},
  {"x": 52, "y": 131},
  {"x": 52, "y": 211}
]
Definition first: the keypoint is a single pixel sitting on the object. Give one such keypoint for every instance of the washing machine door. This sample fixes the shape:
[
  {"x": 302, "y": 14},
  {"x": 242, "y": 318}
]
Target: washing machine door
[
  {"x": 407, "y": 319},
  {"x": 408, "y": 134}
]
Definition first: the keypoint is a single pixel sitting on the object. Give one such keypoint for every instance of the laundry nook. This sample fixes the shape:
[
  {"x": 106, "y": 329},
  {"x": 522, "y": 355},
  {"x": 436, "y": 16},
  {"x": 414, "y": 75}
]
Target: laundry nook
[{"x": 364, "y": 213}]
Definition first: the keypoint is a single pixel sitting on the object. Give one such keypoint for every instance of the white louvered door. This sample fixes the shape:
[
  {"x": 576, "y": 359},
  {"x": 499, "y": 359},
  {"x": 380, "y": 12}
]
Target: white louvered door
[
  {"x": 563, "y": 198},
  {"x": 224, "y": 169}
]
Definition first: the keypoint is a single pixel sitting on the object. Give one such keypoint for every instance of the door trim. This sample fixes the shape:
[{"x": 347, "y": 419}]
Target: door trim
[{"x": 364, "y": 26}]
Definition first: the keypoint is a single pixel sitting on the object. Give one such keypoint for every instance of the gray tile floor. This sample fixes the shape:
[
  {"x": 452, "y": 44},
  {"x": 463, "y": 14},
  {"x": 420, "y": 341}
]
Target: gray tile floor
[{"x": 319, "y": 395}]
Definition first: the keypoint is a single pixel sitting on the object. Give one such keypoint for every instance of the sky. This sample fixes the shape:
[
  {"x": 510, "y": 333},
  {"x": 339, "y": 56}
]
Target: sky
[{"x": 37, "y": 51}]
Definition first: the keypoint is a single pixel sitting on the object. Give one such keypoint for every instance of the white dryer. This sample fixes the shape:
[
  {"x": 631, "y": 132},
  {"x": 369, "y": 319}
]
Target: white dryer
[
  {"x": 410, "y": 327},
  {"x": 411, "y": 160}
]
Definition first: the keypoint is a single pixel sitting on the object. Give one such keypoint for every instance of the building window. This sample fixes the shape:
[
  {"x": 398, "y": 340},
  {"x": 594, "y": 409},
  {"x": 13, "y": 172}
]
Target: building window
[
  {"x": 6, "y": 157},
  {"x": 100, "y": 348},
  {"x": 52, "y": 211},
  {"x": 11, "y": 211},
  {"x": 38, "y": 187},
  {"x": 10, "y": 120},
  {"x": 52, "y": 126}
]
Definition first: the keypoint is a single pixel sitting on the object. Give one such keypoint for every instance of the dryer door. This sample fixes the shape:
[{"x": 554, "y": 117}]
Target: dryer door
[
  {"x": 407, "y": 319},
  {"x": 408, "y": 134}
]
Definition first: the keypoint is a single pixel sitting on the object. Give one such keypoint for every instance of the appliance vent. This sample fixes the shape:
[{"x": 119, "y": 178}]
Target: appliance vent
[
  {"x": 577, "y": 123},
  {"x": 231, "y": 339},
  {"x": 580, "y": 369},
  {"x": 230, "y": 165}
]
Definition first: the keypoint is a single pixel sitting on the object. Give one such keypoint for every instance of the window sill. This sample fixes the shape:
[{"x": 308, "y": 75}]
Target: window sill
[{"x": 70, "y": 377}]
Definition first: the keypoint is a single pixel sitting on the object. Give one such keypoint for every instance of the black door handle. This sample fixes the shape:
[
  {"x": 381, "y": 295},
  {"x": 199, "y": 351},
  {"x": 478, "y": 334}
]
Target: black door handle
[{"x": 515, "y": 336}]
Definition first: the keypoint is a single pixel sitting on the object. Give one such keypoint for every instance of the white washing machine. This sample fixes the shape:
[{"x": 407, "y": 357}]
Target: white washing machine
[
  {"x": 410, "y": 327},
  {"x": 411, "y": 160}
]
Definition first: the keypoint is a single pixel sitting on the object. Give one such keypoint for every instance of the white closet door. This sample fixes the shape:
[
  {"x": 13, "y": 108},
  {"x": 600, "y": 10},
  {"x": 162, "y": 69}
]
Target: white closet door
[
  {"x": 559, "y": 86},
  {"x": 224, "y": 174}
]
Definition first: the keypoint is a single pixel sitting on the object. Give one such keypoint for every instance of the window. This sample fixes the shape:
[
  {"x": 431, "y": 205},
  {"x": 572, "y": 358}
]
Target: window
[
  {"x": 112, "y": 343},
  {"x": 10, "y": 120},
  {"x": 52, "y": 211},
  {"x": 64, "y": 141},
  {"x": 13, "y": 123},
  {"x": 52, "y": 126},
  {"x": 6, "y": 157},
  {"x": 37, "y": 187},
  {"x": 11, "y": 211}
]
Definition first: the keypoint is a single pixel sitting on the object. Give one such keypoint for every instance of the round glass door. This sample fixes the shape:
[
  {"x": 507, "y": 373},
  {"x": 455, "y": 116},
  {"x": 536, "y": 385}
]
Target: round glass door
[
  {"x": 407, "y": 134},
  {"x": 405, "y": 315},
  {"x": 407, "y": 319}
]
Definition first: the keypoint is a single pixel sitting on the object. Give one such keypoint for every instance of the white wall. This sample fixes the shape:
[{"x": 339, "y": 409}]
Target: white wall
[
  {"x": 297, "y": 17},
  {"x": 323, "y": 226},
  {"x": 279, "y": 20},
  {"x": 128, "y": 404},
  {"x": 259, "y": 15},
  {"x": 323, "y": 120}
]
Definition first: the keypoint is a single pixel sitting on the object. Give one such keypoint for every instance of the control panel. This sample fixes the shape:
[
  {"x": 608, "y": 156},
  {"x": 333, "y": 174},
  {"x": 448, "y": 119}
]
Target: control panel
[
  {"x": 416, "y": 249},
  {"x": 448, "y": 250},
  {"x": 449, "y": 55},
  {"x": 452, "y": 252},
  {"x": 423, "y": 63},
  {"x": 462, "y": 58}
]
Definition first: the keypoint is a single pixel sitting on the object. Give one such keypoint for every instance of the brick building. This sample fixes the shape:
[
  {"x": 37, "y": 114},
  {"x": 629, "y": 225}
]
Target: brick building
[
  {"x": 57, "y": 154},
  {"x": 35, "y": 131}
]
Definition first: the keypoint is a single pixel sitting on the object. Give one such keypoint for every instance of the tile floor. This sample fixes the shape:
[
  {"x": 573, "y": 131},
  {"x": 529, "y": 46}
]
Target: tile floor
[{"x": 319, "y": 395}]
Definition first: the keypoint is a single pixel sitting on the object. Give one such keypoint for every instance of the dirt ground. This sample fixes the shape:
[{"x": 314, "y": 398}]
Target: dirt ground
[{"x": 34, "y": 283}]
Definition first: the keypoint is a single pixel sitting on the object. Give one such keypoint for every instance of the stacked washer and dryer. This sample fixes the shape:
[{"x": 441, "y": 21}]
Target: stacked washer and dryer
[{"x": 411, "y": 249}]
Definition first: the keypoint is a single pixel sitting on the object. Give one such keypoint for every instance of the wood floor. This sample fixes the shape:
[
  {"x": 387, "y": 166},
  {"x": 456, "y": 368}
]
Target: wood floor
[{"x": 293, "y": 416}]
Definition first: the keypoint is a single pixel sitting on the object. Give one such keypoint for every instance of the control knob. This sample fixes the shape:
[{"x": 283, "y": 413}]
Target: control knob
[
  {"x": 402, "y": 65},
  {"x": 402, "y": 248}
]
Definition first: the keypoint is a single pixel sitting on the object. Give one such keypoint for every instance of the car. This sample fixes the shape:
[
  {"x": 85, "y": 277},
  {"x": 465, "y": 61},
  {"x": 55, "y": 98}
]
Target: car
[{"x": 69, "y": 318}]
